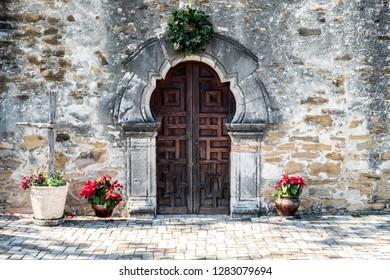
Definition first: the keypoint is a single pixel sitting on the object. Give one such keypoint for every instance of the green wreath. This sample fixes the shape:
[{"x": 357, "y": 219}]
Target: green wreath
[{"x": 189, "y": 30}]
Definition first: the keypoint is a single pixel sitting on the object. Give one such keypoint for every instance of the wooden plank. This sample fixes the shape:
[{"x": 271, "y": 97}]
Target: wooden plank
[{"x": 195, "y": 136}]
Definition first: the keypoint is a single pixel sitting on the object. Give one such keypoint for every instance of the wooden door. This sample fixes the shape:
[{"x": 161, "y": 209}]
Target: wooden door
[{"x": 193, "y": 147}]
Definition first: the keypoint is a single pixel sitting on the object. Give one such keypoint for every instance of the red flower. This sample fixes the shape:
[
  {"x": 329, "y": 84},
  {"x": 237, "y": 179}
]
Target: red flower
[
  {"x": 89, "y": 189},
  {"x": 112, "y": 194},
  {"x": 289, "y": 186},
  {"x": 26, "y": 182},
  {"x": 103, "y": 191}
]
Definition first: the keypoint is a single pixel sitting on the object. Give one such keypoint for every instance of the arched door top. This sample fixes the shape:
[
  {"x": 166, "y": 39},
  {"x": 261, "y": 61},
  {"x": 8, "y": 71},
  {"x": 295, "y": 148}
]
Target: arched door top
[{"x": 232, "y": 62}]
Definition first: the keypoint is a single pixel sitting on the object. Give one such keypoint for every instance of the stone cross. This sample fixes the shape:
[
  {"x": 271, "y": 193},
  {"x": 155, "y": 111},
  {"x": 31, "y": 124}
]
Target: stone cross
[{"x": 50, "y": 126}]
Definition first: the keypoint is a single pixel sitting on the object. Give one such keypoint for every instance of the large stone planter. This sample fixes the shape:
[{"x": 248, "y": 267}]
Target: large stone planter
[{"x": 48, "y": 204}]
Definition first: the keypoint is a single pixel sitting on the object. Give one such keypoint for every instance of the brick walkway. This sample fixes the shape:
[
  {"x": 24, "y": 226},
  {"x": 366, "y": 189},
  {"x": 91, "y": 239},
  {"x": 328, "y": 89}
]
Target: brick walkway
[{"x": 198, "y": 237}]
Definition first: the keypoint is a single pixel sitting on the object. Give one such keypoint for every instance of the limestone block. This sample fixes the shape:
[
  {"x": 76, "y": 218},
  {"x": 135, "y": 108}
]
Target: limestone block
[
  {"x": 305, "y": 155},
  {"x": 313, "y": 139},
  {"x": 354, "y": 195},
  {"x": 339, "y": 82},
  {"x": 89, "y": 158},
  {"x": 31, "y": 142},
  {"x": 60, "y": 161},
  {"x": 355, "y": 123},
  {"x": 306, "y": 31},
  {"x": 287, "y": 147},
  {"x": 130, "y": 28},
  {"x": 5, "y": 145},
  {"x": 293, "y": 167},
  {"x": 52, "y": 40},
  {"x": 34, "y": 59},
  {"x": 10, "y": 162},
  {"x": 383, "y": 190},
  {"x": 334, "y": 156},
  {"x": 102, "y": 57},
  {"x": 71, "y": 18},
  {"x": 325, "y": 170},
  {"x": 315, "y": 100},
  {"x": 378, "y": 205},
  {"x": 272, "y": 159},
  {"x": 32, "y": 17},
  {"x": 385, "y": 156},
  {"x": 316, "y": 147},
  {"x": 323, "y": 120},
  {"x": 5, "y": 175},
  {"x": 335, "y": 203},
  {"x": 318, "y": 191},
  {"x": 307, "y": 202},
  {"x": 54, "y": 75},
  {"x": 355, "y": 206}
]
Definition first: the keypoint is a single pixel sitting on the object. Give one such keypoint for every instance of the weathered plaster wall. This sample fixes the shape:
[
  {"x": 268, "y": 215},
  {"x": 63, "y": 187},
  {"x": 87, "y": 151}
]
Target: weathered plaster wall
[{"x": 324, "y": 64}]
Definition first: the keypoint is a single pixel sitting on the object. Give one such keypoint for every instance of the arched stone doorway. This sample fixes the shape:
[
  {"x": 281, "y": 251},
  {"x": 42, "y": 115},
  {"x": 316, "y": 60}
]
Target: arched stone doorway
[
  {"x": 234, "y": 64},
  {"x": 192, "y": 145}
]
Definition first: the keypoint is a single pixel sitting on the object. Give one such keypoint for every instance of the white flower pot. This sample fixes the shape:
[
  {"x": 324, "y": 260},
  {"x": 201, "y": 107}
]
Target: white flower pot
[{"x": 48, "y": 204}]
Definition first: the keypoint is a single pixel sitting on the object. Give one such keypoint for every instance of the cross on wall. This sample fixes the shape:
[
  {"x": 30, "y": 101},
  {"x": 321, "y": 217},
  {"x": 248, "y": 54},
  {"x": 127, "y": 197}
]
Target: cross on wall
[{"x": 51, "y": 126}]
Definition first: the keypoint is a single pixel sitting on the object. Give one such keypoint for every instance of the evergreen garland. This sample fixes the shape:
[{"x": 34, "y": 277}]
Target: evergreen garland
[{"x": 189, "y": 30}]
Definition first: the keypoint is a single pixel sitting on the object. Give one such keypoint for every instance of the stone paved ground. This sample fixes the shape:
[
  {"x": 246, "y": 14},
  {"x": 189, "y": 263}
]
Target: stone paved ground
[{"x": 198, "y": 237}]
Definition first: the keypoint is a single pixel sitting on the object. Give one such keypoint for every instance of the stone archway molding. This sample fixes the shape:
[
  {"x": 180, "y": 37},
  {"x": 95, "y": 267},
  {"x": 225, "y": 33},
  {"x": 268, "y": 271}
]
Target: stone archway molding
[
  {"x": 232, "y": 61},
  {"x": 234, "y": 64}
]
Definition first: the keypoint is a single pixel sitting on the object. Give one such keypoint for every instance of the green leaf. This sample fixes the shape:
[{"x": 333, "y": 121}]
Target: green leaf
[{"x": 294, "y": 190}]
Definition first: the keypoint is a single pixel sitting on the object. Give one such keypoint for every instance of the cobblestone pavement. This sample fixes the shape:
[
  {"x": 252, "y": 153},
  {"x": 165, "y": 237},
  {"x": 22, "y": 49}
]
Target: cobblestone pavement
[{"x": 198, "y": 237}]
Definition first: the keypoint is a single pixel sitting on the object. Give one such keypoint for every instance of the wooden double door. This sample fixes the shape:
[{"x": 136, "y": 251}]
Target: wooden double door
[{"x": 193, "y": 147}]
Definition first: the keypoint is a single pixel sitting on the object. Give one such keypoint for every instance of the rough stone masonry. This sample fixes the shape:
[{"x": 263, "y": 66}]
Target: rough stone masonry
[{"x": 324, "y": 65}]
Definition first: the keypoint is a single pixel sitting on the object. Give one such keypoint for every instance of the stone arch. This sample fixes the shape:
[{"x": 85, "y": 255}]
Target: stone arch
[{"x": 234, "y": 64}]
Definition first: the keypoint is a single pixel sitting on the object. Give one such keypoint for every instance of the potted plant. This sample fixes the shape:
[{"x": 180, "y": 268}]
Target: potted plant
[
  {"x": 103, "y": 194},
  {"x": 48, "y": 196},
  {"x": 287, "y": 194}
]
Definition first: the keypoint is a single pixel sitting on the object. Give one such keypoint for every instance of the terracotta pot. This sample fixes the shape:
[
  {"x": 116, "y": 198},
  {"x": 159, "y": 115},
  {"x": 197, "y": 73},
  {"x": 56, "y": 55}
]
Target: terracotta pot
[
  {"x": 48, "y": 204},
  {"x": 101, "y": 211},
  {"x": 287, "y": 206}
]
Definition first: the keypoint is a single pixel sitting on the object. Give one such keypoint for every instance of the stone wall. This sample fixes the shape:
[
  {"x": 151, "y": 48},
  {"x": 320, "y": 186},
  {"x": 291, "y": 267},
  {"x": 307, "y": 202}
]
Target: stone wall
[{"x": 322, "y": 62}]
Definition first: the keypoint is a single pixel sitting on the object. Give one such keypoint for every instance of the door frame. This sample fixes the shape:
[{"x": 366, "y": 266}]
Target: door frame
[{"x": 233, "y": 63}]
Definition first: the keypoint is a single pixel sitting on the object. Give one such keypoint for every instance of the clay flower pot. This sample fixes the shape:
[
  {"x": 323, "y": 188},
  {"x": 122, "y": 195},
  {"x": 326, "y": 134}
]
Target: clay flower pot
[
  {"x": 101, "y": 211},
  {"x": 287, "y": 205}
]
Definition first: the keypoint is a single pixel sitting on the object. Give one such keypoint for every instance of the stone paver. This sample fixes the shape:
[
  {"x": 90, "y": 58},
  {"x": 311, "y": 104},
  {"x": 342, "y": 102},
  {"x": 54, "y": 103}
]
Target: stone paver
[{"x": 197, "y": 237}]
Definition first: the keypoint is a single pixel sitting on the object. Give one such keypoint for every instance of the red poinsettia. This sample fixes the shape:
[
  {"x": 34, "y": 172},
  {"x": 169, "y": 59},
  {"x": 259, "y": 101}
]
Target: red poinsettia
[
  {"x": 89, "y": 189},
  {"x": 103, "y": 191},
  {"x": 289, "y": 186}
]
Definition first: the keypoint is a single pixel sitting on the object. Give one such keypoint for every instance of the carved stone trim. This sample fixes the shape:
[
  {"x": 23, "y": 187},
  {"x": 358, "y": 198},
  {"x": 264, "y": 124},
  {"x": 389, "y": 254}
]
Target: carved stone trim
[
  {"x": 234, "y": 64},
  {"x": 141, "y": 169}
]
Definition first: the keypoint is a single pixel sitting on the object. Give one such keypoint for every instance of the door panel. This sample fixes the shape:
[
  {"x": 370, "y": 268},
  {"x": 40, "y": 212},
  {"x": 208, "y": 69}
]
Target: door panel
[
  {"x": 172, "y": 180},
  {"x": 193, "y": 147}
]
